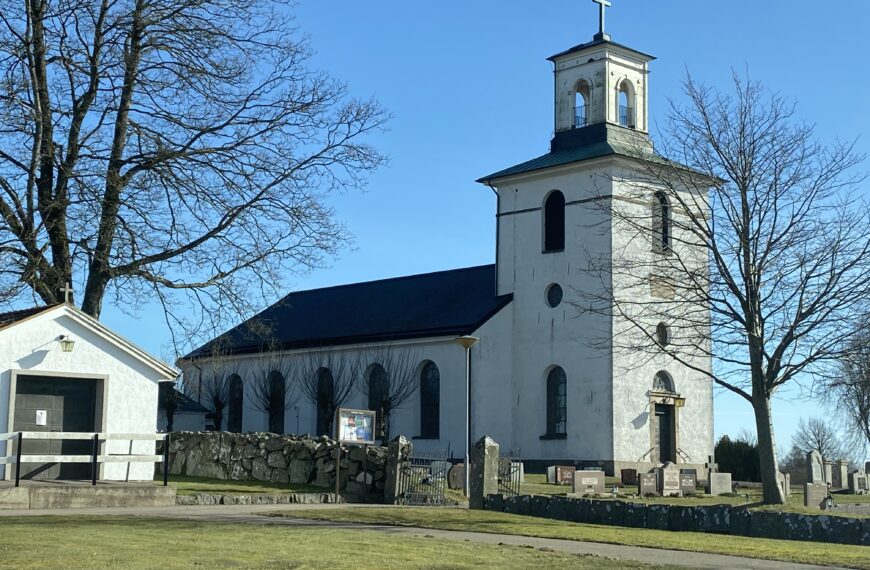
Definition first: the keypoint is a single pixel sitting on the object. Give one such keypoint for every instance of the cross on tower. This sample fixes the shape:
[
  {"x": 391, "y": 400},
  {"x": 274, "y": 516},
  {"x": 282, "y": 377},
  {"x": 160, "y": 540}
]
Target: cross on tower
[
  {"x": 67, "y": 292},
  {"x": 602, "y": 6}
]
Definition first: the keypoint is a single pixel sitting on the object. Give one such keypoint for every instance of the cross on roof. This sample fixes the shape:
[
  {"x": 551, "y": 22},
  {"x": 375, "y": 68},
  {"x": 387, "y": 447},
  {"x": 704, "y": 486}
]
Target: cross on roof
[
  {"x": 67, "y": 292},
  {"x": 602, "y": 6}
]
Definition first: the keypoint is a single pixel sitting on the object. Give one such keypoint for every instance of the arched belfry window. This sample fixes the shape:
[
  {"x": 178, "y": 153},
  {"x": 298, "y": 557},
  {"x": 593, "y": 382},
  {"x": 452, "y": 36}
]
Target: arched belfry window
[
  {"x": 662, "y": 382},
  {"x": 325, "y": 401},
  {"x": 378, "y": 392},
  {"x": 557, "y": 402},
  {"x": 662, "y": 222},
  {"x": 235, "y": 404},
  {"x": 554, "y": 222},
  {"x": 430, "y": 401},
  {"x": 626, "y": 106},
  {"x": 582, "y": 103}
]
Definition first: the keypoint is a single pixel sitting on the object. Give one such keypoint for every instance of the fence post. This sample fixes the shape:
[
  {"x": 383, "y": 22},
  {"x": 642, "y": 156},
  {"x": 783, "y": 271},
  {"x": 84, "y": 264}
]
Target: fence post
[
  {"x": 166, "y": 460},
  {"x": 96, "y": 452},
  {"x": 18, "y": 459}
]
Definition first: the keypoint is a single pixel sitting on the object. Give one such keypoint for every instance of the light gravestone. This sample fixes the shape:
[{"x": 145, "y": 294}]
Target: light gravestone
[
  {"x": 688, "y": 482},
  {"x": 816, "y": 488},
  {"x": 647, "y": 484},
  {"x": 784, "y": 482},
  {"x": 669, "y": 480},
  {"x": 719, "y": 484},
  {"x": 858, "y": 483},
  {"x": 483, "y": 478},
  {"x": 588, "y": 483}
]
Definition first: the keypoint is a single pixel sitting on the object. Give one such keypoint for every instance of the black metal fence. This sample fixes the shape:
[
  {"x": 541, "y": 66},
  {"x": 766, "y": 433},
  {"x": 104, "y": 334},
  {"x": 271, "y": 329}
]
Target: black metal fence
[
  {"x": 423, "y": 482},
  {"x": 510, "y": 474}
]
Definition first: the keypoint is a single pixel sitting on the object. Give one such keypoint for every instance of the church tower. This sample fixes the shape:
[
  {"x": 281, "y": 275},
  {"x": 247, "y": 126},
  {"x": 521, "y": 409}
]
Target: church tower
[{"x": 574, "y": 395}]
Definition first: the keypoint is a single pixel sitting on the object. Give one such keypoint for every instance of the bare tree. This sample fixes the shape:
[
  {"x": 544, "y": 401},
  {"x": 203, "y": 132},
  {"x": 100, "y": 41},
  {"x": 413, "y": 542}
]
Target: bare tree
[
  {"x": 328, "y": 380},
  {"x": 815, "y": 434},
  {"x": 172, "y": 149},
  {"x": 169, "y": 400},
  {"x": 759, "y": 254},
  {"x": 849, "y": 391},
  {"x": 389, "y": 381},
  {"x": 273, "y": 390}
]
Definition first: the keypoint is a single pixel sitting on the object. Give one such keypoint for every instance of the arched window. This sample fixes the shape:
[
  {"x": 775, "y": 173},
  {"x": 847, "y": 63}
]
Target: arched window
[
  {"x": 325, "y": 401},
  {"x": 557, "y": 402},
  {"x": 663, "y": 335},
  {"x": 378, "y": 392},
  {"x": 277, "y": 401},
  {"x": 582, "y": 101},
  {"x": 662, "y": 222},
  {"x": 430, "y": 401},
  {"x": 663, "y": 382},
  {"x": 626, "y": 104},
  {"x": 235, "y": 404},
  {"x": 554, "y": 222}
]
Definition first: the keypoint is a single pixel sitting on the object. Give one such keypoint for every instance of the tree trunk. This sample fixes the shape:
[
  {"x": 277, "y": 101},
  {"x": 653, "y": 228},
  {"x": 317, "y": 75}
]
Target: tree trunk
[{"x": 767, "y": 451}]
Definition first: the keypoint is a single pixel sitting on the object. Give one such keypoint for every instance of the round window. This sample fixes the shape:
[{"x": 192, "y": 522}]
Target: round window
[
  {"x": 554, "y": 295},
  {"x": 663, "y": 335}
]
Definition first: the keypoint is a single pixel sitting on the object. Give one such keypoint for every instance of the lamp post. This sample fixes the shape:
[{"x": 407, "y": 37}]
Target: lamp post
[{"x": 467, "y": 342}]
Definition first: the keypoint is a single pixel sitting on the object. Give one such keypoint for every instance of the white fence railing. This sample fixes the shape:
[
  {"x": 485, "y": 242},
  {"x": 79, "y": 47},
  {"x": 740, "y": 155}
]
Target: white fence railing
[{"x": 95, "y": 458}]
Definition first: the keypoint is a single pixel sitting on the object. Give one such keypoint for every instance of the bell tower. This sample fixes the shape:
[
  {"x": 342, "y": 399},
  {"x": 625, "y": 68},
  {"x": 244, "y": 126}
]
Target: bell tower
[{"x": 601, "y": 88}]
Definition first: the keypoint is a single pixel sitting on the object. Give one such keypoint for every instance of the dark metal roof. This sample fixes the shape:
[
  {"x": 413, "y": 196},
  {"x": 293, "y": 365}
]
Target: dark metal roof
[
  {"x": 13, "y": 317},
  {"x": 595, "y": 43},
  {"x": 455, "y": 302},
  {"x": 557, "y": 158}
]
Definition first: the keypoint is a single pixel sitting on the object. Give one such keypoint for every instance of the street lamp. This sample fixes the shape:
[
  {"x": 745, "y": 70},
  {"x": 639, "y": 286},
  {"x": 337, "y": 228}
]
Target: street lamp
[{"x": 466, "y": 342}]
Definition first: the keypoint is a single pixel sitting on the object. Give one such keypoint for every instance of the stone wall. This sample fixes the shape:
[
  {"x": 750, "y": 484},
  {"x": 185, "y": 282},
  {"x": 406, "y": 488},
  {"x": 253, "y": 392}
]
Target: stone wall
[
  {"x": 723, "y": 519},
  {"x": 282, "y": 459}
]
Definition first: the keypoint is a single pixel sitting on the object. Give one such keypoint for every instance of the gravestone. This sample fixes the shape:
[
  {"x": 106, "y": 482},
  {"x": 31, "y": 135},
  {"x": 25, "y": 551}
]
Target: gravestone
[
  {"x": 858, "y": 483},
  {"x": 588, "y": 483},
  {"x": 647, "y": 484},
  {"x": 867, "y": 467},
  {"x": 628, "y": 476},
  {"x": 784, "y": 482},
  {"x": 456, "y": 476},
  {"x": 484, "y": 471},
  {"x": 560, "y": 474},
  {"x": 840, "y": 478},
  {"x": 829, "y": 472},
  {"x": 719, "y": 484},
  {"x": 710, "y": 467},
  {"x": 669, "y": 480},
  {"x": 815, "y": 495},
  {"x": 815, "y": 469},
  {"x": 688, "y": 482}
]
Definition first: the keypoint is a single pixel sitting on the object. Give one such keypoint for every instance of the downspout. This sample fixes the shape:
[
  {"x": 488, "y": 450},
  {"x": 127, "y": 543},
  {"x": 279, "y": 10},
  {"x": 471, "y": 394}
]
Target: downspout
[{"x": 497, "y": 230}]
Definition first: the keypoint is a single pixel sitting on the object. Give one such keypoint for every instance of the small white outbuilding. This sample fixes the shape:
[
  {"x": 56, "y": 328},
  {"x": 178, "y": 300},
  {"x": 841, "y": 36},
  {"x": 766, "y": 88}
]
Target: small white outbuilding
[{"x": 63, "y": 371}]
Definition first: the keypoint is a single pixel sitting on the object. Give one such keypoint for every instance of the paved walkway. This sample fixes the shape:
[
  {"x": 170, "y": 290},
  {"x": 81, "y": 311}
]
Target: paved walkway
[{"x": 258, "y": 514}]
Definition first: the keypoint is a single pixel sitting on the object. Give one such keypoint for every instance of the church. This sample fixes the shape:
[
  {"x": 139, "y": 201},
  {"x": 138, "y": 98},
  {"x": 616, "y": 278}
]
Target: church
[{"x": 548, "y": 381}]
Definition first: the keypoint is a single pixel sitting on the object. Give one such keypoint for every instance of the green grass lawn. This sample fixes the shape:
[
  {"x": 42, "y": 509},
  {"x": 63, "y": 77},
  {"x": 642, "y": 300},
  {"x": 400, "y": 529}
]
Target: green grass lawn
[
  {"x": 492, "y": 522},
  {"x": 127, "y": 542},
  {"x": 192, "y": 485}
]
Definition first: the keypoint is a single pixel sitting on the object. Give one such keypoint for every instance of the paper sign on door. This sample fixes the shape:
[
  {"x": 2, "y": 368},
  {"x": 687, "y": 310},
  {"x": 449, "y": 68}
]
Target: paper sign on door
[{"x": 41, "y": 417}]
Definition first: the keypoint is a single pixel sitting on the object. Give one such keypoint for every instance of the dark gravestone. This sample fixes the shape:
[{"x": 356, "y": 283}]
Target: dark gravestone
[
  {"x": 647, "y": 485},
  {"x": 628, "y": 476},
  {"x": 456, "y": 476},
  {"x": 688, "y": 482}
]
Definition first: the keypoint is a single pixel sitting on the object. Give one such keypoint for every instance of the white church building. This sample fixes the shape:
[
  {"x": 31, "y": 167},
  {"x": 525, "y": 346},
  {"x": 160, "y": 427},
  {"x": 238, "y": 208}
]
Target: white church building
[{"x": 549, "y": 382}]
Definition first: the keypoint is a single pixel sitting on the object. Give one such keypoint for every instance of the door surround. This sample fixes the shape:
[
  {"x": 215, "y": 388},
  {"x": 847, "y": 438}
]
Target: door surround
[{"x": 100, "y": 406}]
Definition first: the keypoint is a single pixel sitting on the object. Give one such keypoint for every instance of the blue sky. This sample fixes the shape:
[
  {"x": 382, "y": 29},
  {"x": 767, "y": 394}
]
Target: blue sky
[{"x": 471, "y": 92}]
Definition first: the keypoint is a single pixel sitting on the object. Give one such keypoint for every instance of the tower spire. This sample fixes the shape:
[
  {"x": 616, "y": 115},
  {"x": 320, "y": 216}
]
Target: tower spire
[{"x": 603, "y": 5}]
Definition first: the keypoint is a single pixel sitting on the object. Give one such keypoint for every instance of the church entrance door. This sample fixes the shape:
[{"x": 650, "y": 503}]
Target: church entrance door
[{"x": 665, "y": 435}]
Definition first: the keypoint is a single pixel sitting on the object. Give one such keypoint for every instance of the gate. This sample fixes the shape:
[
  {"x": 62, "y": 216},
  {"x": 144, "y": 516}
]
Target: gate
[
  {"x": 509, "y": 476},
  {"x": 422, "y": 482}
]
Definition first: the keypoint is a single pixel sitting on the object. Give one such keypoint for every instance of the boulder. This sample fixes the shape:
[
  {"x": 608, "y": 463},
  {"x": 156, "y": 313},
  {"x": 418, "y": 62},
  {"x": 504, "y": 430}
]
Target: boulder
[
  {"x": 260, "y": 469},
  {"x": 276, "y": 460}
]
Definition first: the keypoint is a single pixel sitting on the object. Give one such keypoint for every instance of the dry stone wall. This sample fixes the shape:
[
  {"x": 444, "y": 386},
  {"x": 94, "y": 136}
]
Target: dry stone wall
[{"x": 282, "y": 459}]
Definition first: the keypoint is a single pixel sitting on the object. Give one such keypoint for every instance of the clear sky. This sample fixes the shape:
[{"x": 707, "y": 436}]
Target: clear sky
[{"x": 471, "y": 92}]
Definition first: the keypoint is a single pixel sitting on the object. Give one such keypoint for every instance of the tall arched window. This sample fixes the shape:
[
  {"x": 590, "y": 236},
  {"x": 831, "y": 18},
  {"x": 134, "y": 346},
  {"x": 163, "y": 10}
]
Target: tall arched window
[
  {"x": 277, "y": 401},
  {"x": 626, "y": 104},
  {"x": 662, "y": 382},
  {"x": 430, "y": 401},
  {"x": 554, "y": 222},
  {"x": 582, "y": 101},
  {"x": 325, "y": 401},
  {"x": 662, "y": 222},
  {"x": 557, "y": 402},
  {"x": 378, "y": 392},
  {"x": 235, "y": 404}
]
